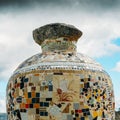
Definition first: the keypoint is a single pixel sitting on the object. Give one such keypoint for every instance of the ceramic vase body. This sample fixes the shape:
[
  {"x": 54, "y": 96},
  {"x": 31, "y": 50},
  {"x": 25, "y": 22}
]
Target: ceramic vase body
[{"x": 60, "y": 84}]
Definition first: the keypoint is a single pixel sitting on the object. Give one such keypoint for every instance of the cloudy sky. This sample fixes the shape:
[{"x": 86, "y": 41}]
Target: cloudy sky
[{"x": 99, "y": 20}]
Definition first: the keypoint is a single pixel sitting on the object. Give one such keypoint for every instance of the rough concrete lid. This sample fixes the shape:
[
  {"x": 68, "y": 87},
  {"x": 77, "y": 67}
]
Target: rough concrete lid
[{"x": 56, "y": 30}]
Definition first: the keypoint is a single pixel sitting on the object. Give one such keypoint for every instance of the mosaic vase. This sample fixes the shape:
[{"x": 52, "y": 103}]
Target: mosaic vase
[{"x": 59, "y": 83}]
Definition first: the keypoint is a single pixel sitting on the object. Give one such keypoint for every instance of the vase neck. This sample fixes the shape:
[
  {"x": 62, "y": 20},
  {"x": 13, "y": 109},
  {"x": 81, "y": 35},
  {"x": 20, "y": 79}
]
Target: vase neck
[{"x": 58, "y": 45}]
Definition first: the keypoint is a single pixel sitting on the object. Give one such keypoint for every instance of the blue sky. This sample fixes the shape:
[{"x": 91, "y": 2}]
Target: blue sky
[{"x": 98, "y": 20}]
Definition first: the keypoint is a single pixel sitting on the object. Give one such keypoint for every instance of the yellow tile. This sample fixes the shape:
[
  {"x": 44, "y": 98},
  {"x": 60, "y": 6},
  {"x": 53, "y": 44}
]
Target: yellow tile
[
  {"x": 94, "y": 114},
  {"x": 99, "y": 113}
]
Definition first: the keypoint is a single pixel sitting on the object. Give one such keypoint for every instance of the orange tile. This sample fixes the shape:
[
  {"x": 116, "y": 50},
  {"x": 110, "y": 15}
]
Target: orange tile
[
  {"x": 26, "y": 95},
  {"x": 36, "y": 105},
  {"x": 36, "y": 74},
  {"x": 22, "y": 105},
  {"x": 33, "y": 94},
  {"x": 15, "y": 95},
  {"x": 28, "y": 101}
]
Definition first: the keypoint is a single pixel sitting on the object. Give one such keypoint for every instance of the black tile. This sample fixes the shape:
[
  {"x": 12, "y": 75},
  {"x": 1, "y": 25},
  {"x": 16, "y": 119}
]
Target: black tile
[
  {"x": 58, "y": 73},
  {"x": 92, "y": 105},
  {"x": 59, "y": 105},
  {"x": 21, "y": 85},
  {"x": 76, "y": 115},
  {"x": 22, "y": 79},
  {"x": 23, "y": 110},
  {"x": 31, "y": 105},
  {"x": 99, "y": 78},
  {"x": 37, "y": 111},
  {"x": 37, "y": 100},
  {"x": 82, "y": 80},
  {"x": 84, "y": 114},
  {"x": 48, "y": 99},
  {"x": 87, "y": 109},
  {"x": 89, "y": 79},
  {"x": 19, "y": 100}
]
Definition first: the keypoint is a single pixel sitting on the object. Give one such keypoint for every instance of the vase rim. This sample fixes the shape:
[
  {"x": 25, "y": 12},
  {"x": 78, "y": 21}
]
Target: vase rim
[{"x": 55, "y": 31}]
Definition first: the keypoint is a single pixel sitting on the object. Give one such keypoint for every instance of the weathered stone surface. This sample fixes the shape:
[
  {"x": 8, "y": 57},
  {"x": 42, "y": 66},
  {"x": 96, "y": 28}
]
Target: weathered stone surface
[{"x": 54, "y": 31}]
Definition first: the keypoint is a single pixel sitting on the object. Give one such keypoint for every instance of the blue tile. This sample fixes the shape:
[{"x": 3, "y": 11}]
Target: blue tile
[
  {"x": 50, "y": 87},
  {"x": 46, "y": 104},
  {"x": 26, "y": 80},
  {"x": 82, "y": 118},
  {"x": 41, "y": 104},
  {"x": 37, "y": 94},
  {"x": 41, "y": 113},
  {"x": 33, "y": 100},
  {"x": 46, "y": 113},
  {"x": 29, "y": 94}
]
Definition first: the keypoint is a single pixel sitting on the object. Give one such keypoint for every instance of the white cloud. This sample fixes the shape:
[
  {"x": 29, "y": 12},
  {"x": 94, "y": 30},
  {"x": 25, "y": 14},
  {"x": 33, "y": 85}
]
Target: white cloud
[
  {"x": 117, "y": 67},
  {"x": 98, "y": 36}
]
